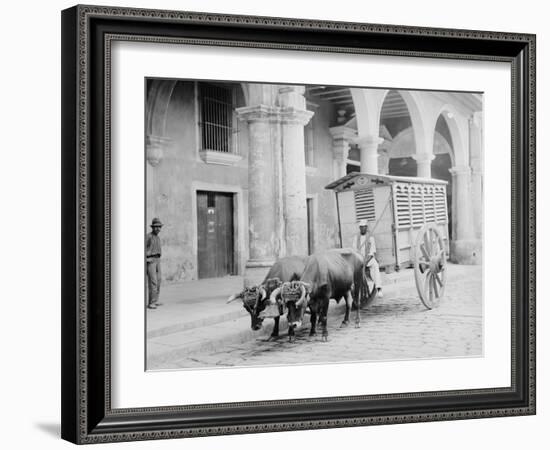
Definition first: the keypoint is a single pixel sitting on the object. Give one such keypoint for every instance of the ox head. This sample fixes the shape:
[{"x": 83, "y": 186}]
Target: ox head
[
  {"x": 292, "y": 296},
  {"x": 255, "y": 302}
]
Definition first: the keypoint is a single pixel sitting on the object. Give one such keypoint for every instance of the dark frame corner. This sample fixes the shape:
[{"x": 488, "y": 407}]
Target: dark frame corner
[{"x": 87, "y": 31}]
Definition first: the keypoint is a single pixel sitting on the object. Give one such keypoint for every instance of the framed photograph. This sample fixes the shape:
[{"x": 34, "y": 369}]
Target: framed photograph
[{"x": 281, "y": 224}]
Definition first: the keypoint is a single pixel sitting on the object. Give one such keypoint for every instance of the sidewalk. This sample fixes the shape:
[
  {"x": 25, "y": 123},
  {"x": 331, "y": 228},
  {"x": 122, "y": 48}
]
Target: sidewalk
[
  {"x": 194, "y": 304},
  {"x": 195, "y": 317}
]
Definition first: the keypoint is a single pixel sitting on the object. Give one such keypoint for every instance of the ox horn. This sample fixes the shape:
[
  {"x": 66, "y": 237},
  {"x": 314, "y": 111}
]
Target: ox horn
[
  {"x": 273, "y": 296},
  {"x": 263, "y": 292},
  {"x": 232, "y": 298},
  {"x": 302, "y": 297}
]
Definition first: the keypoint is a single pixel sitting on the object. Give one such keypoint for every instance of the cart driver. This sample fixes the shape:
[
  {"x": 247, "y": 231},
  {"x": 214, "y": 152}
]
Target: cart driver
[{"x": 366, "y": 246}]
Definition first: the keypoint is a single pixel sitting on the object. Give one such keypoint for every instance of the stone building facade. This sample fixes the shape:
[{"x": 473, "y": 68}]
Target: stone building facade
[{"x": 236, "y": 171}]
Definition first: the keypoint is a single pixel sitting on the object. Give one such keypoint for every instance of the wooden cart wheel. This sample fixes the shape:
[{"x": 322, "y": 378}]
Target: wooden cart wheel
[{"x": 430, "y": 262}]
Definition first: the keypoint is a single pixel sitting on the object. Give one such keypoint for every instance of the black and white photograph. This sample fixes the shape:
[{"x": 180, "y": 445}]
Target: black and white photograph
[
  {"x": 311, "y": 224},
  {"x": 275, "y": 225}
]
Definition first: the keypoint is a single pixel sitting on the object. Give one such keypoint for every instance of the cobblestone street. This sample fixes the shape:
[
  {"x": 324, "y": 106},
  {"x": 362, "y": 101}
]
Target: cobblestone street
[{"x": 392, "y": 328}]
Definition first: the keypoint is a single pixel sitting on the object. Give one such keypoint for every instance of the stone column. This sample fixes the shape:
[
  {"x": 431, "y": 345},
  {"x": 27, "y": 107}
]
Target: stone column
[
  {"x": 465, "y": 249},
  {"x": 476, "y": 162},
  {"x": 293, "y": 117},
  {"x": 261, "y": 191},
  {"x": 383, "y": 162},
  {"x": 341, "y": 138},
  {"x": 424, "y": 164},
  {"x": 368, "y": 146}
]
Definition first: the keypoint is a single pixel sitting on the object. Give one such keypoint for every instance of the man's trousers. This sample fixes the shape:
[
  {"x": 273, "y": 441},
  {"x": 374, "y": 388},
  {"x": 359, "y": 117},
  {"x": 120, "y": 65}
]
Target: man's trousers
[
  {"x": 374, "y": 270},
  {"x": 153, "y": 279}
]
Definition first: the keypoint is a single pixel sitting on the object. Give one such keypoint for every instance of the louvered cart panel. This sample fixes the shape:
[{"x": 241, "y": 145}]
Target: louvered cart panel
[{"x": 408, "y": 218}]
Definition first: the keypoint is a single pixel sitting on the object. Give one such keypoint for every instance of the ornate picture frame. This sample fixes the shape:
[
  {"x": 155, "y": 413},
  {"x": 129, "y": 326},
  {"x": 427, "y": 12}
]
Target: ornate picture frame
[{"x": 88, "y": 33}]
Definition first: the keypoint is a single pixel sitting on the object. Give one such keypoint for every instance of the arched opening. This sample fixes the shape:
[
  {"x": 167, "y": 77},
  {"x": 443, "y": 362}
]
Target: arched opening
[
  {"x": 395, "y": 117},
  {"x": 443, "y": 161},
  {"x": 164, "y": 98},
  {"x": 159, "y": 94}
]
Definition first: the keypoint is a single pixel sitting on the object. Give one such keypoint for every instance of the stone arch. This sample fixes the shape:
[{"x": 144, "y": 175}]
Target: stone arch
[
  {"x": 159, "y": 94},
  {"x": 413, "y": 102},
  {"x": 443, "y": 141},
  {"x": 458, "y": 128},
  {"x": 404, "y": 141},
  {"x": 246, "y": 95},
  {"x": 368, "y": 104},
  {"x": 415, "y": 112},
  {"x": 419, "y": 139}
]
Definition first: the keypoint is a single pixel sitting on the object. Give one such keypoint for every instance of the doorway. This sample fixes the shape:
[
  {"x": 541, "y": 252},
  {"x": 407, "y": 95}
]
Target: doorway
[{"x": 216, "y": 234}]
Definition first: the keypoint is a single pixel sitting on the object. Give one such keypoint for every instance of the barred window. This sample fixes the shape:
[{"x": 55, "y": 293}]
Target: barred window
[{"x": 216, "y": 112}]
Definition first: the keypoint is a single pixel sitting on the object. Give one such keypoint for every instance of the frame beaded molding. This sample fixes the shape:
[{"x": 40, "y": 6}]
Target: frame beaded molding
[{"x": 87, "y": 12}]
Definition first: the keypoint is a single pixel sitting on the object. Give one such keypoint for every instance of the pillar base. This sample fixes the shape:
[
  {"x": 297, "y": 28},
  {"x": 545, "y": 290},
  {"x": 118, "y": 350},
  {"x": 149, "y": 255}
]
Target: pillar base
[
  {"x": 466, "y": 251},
  {"x": 255, "y": 271}
]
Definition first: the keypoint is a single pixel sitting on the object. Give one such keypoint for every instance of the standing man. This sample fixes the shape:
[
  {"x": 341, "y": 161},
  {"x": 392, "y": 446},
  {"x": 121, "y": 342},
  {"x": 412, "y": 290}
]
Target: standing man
[
  {"x": 152, "y": 256},
  {"x": 366, "y": 246}
]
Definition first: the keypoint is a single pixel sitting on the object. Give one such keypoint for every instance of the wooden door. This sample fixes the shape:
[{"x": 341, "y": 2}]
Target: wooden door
[{"x": 215, "y": 233}]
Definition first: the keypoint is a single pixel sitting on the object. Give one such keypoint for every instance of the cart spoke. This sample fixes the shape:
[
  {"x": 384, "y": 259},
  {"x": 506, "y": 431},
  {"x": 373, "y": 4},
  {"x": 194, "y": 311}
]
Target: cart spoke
[
  {"x": 436, "y": 289},
  {"x": 427, "y": 243},
  {"x": 429, "y": 279},
  {"x": 435, "y": 242},
  {"x": 427, "y": 285},
  {"x": 438, "y": 279},
  {"x": 424, "y": 252},
  {"x": 436, "y": 247}
]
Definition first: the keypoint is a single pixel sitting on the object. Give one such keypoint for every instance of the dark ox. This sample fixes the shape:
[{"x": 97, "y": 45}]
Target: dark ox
[
  {"x": 291, "y": 296},
  {"x": 256, "y": 298},
  {"x": 330, "y": 274}
]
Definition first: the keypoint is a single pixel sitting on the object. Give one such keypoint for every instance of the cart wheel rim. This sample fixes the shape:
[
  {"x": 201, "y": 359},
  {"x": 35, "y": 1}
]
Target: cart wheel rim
[{"x": 430, "y": 263}]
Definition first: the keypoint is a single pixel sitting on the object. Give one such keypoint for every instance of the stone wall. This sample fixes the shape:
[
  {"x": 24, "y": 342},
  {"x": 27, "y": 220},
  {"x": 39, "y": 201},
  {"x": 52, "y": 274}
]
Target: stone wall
[{"x": 172, "y": 185}]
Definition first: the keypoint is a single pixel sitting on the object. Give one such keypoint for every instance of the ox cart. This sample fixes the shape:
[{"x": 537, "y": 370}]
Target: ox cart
[{"x": 409, "y": 221}]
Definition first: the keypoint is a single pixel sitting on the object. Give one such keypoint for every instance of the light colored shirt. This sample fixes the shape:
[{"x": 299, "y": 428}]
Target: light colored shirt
[
  {"x": 364, "y": 247},
  {"x": 152, "y": 247}
]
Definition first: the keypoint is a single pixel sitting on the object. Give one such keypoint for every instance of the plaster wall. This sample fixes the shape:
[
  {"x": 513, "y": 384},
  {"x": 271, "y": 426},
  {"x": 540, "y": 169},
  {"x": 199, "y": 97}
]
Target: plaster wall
[{"x": 172, "y": 185}]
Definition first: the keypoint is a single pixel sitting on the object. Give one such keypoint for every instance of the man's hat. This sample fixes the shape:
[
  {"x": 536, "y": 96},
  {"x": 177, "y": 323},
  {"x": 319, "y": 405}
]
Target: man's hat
[
  {"x": 363, "y": 223},
  {"x": 156, "y": 223}
]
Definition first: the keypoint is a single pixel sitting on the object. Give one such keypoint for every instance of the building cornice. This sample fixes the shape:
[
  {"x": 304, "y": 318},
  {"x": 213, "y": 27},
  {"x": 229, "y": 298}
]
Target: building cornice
[{"x": 274, "y": 114}]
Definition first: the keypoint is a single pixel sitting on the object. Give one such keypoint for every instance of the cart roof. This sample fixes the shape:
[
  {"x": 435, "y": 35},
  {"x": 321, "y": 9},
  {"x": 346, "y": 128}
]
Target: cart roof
[{"x": 351, "y": 179}]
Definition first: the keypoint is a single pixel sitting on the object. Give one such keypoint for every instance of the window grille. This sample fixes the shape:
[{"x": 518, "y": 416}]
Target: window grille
[
  {"x": 364, "y": 205},
  {"x": 217, "y": 105}
]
